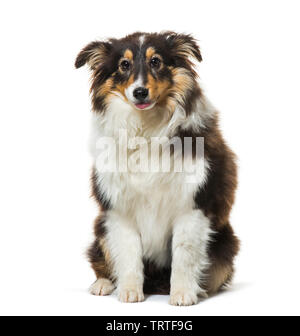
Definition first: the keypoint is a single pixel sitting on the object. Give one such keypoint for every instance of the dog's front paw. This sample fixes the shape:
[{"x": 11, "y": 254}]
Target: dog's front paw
[
  {"x": 185, "y": 297},
  {"x": 102, "y": 287},
  {"x": 131, "y": 294}
]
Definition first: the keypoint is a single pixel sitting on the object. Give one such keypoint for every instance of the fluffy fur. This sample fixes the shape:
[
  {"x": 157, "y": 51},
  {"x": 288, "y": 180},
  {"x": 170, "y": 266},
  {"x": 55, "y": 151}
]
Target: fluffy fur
[{"x": 155, "y": 232}]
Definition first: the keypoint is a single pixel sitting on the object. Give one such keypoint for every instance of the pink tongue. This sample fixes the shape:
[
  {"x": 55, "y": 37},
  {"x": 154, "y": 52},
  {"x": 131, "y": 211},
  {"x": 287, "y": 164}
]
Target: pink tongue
[{"x": 142, "y": 106}]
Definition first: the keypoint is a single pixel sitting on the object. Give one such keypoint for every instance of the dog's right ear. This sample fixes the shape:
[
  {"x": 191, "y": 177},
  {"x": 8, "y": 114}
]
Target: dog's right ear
[{"x": 93, "y": 54}]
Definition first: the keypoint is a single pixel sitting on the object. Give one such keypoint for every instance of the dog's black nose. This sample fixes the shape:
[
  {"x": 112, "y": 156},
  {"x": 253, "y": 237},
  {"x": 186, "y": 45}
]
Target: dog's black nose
[{"x": 140, "y": 93}]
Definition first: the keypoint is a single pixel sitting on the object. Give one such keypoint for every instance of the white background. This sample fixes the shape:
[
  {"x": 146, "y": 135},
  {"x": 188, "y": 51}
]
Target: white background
[{"x": 250, "y": 72}]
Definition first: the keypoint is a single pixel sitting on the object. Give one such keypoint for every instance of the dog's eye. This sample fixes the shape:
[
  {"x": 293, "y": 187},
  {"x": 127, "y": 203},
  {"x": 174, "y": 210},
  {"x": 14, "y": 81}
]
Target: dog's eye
[
  {"x": 155, "y": 62},
  {"x": 125, "y": 65}
]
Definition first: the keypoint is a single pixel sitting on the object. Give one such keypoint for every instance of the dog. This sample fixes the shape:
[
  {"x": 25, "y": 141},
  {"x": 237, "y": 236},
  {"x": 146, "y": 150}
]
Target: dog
[{"x": 157, "y": 233}]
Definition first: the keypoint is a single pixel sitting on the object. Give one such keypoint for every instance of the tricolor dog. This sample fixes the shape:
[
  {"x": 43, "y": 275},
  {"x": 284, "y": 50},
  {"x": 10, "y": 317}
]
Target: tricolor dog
[{"x": 159, "y": 231}]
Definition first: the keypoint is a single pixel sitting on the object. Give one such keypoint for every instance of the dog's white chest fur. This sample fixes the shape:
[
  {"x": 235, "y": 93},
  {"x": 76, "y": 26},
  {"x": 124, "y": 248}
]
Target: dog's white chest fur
[{"x": 147, "y": 202}]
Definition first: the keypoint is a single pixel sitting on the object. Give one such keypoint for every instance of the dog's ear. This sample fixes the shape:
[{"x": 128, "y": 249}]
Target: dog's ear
[
  {"x": 184, "y": 46},
  {"x": 93, "y": 54}
]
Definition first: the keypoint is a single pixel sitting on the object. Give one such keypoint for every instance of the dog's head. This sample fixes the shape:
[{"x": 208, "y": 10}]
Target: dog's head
[{"x": 146, "y": 70}]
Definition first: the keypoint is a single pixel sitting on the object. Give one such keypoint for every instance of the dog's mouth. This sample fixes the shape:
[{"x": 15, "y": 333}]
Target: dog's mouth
[{"x": 144, "y": 106}]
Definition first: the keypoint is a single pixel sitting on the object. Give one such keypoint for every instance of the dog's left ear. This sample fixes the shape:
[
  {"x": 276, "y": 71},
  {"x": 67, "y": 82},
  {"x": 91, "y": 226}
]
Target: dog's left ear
[
  {"x": 184, "y": 46},
  {"x": 93, "y": 54}
]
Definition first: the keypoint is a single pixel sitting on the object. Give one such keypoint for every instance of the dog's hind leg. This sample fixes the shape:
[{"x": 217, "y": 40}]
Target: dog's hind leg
[
  {"x": 103, "y": 285},
  {"x": 223, "y": 248}
]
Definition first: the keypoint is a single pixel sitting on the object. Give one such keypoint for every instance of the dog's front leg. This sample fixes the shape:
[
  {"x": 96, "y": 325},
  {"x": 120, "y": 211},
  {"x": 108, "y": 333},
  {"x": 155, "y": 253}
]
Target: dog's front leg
[
  {"x": 189, "y": 258},
  {"x": 125, "y": 246}
]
